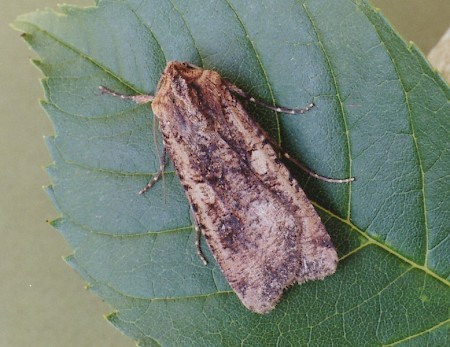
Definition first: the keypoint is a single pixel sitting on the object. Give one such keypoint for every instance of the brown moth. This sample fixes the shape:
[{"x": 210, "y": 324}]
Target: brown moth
[{"x": 260, "y": 226}]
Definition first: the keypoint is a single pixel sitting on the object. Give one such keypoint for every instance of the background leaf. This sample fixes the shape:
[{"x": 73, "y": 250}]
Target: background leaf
[{"x": 382, "y": 115}]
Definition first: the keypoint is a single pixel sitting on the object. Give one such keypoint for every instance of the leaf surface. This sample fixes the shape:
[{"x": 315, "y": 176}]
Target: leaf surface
[{"x": 382, "y": 115}]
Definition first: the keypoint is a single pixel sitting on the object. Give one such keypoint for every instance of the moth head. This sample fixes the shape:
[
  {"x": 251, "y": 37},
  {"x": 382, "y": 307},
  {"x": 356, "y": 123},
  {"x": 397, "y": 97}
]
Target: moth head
[
  {"x": 191, "y": 93},
  {"x": 185, "y": 70},
  {"x": 179, "y": 74}
]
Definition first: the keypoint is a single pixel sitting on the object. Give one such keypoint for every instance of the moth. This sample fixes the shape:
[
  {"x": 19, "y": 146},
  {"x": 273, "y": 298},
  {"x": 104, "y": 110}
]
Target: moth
[{"x": 258, "y": 223}]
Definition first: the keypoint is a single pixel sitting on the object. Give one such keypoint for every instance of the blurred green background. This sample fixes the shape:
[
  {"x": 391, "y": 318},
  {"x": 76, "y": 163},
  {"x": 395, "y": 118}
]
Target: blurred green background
[{"x": 42, "y": 301}]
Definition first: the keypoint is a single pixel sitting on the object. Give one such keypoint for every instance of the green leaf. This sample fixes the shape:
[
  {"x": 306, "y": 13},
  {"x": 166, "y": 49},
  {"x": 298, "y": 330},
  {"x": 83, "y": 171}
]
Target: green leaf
[{"x": 382, "y": 115}]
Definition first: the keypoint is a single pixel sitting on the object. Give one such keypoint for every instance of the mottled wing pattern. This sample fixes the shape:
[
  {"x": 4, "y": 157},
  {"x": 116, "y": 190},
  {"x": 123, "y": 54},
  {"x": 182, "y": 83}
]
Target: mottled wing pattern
[{"x": 260, "y": 226}]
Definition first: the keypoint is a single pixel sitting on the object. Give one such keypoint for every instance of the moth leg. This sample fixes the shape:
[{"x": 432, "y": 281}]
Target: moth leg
[
  {"x": 305, "y": 168},
  {"x": 138, "y": 99},
  {"x": 240, "y": 92},
  {"x": 313, "y": 174},
  {"x": 158, "y": 175},
  {"x": 142, "y": 99},
  {"x": 236, "y": 90},
  {"x": 197, "y": 239},
  {"x": 162, "y": 158}
]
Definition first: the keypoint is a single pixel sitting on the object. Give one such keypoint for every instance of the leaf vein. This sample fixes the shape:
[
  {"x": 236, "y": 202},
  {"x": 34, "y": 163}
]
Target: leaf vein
[
  {"x": 258, "y": 58},
  {"x": 341, "y": 107},
  {"x": 415, "y": 142}
]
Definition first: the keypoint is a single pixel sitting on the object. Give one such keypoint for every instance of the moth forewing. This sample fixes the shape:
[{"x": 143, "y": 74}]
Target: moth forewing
[{"x": 260, "y": 226}]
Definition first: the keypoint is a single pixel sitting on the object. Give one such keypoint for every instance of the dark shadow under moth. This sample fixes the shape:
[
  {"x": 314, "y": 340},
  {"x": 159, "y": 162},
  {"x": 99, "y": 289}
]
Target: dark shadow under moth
[{"x": 260, "y": 226}]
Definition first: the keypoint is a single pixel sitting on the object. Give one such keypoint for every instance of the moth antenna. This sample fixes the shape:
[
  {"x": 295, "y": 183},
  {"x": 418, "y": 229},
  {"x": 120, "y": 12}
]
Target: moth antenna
[{"x": 138, "y": 99}]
